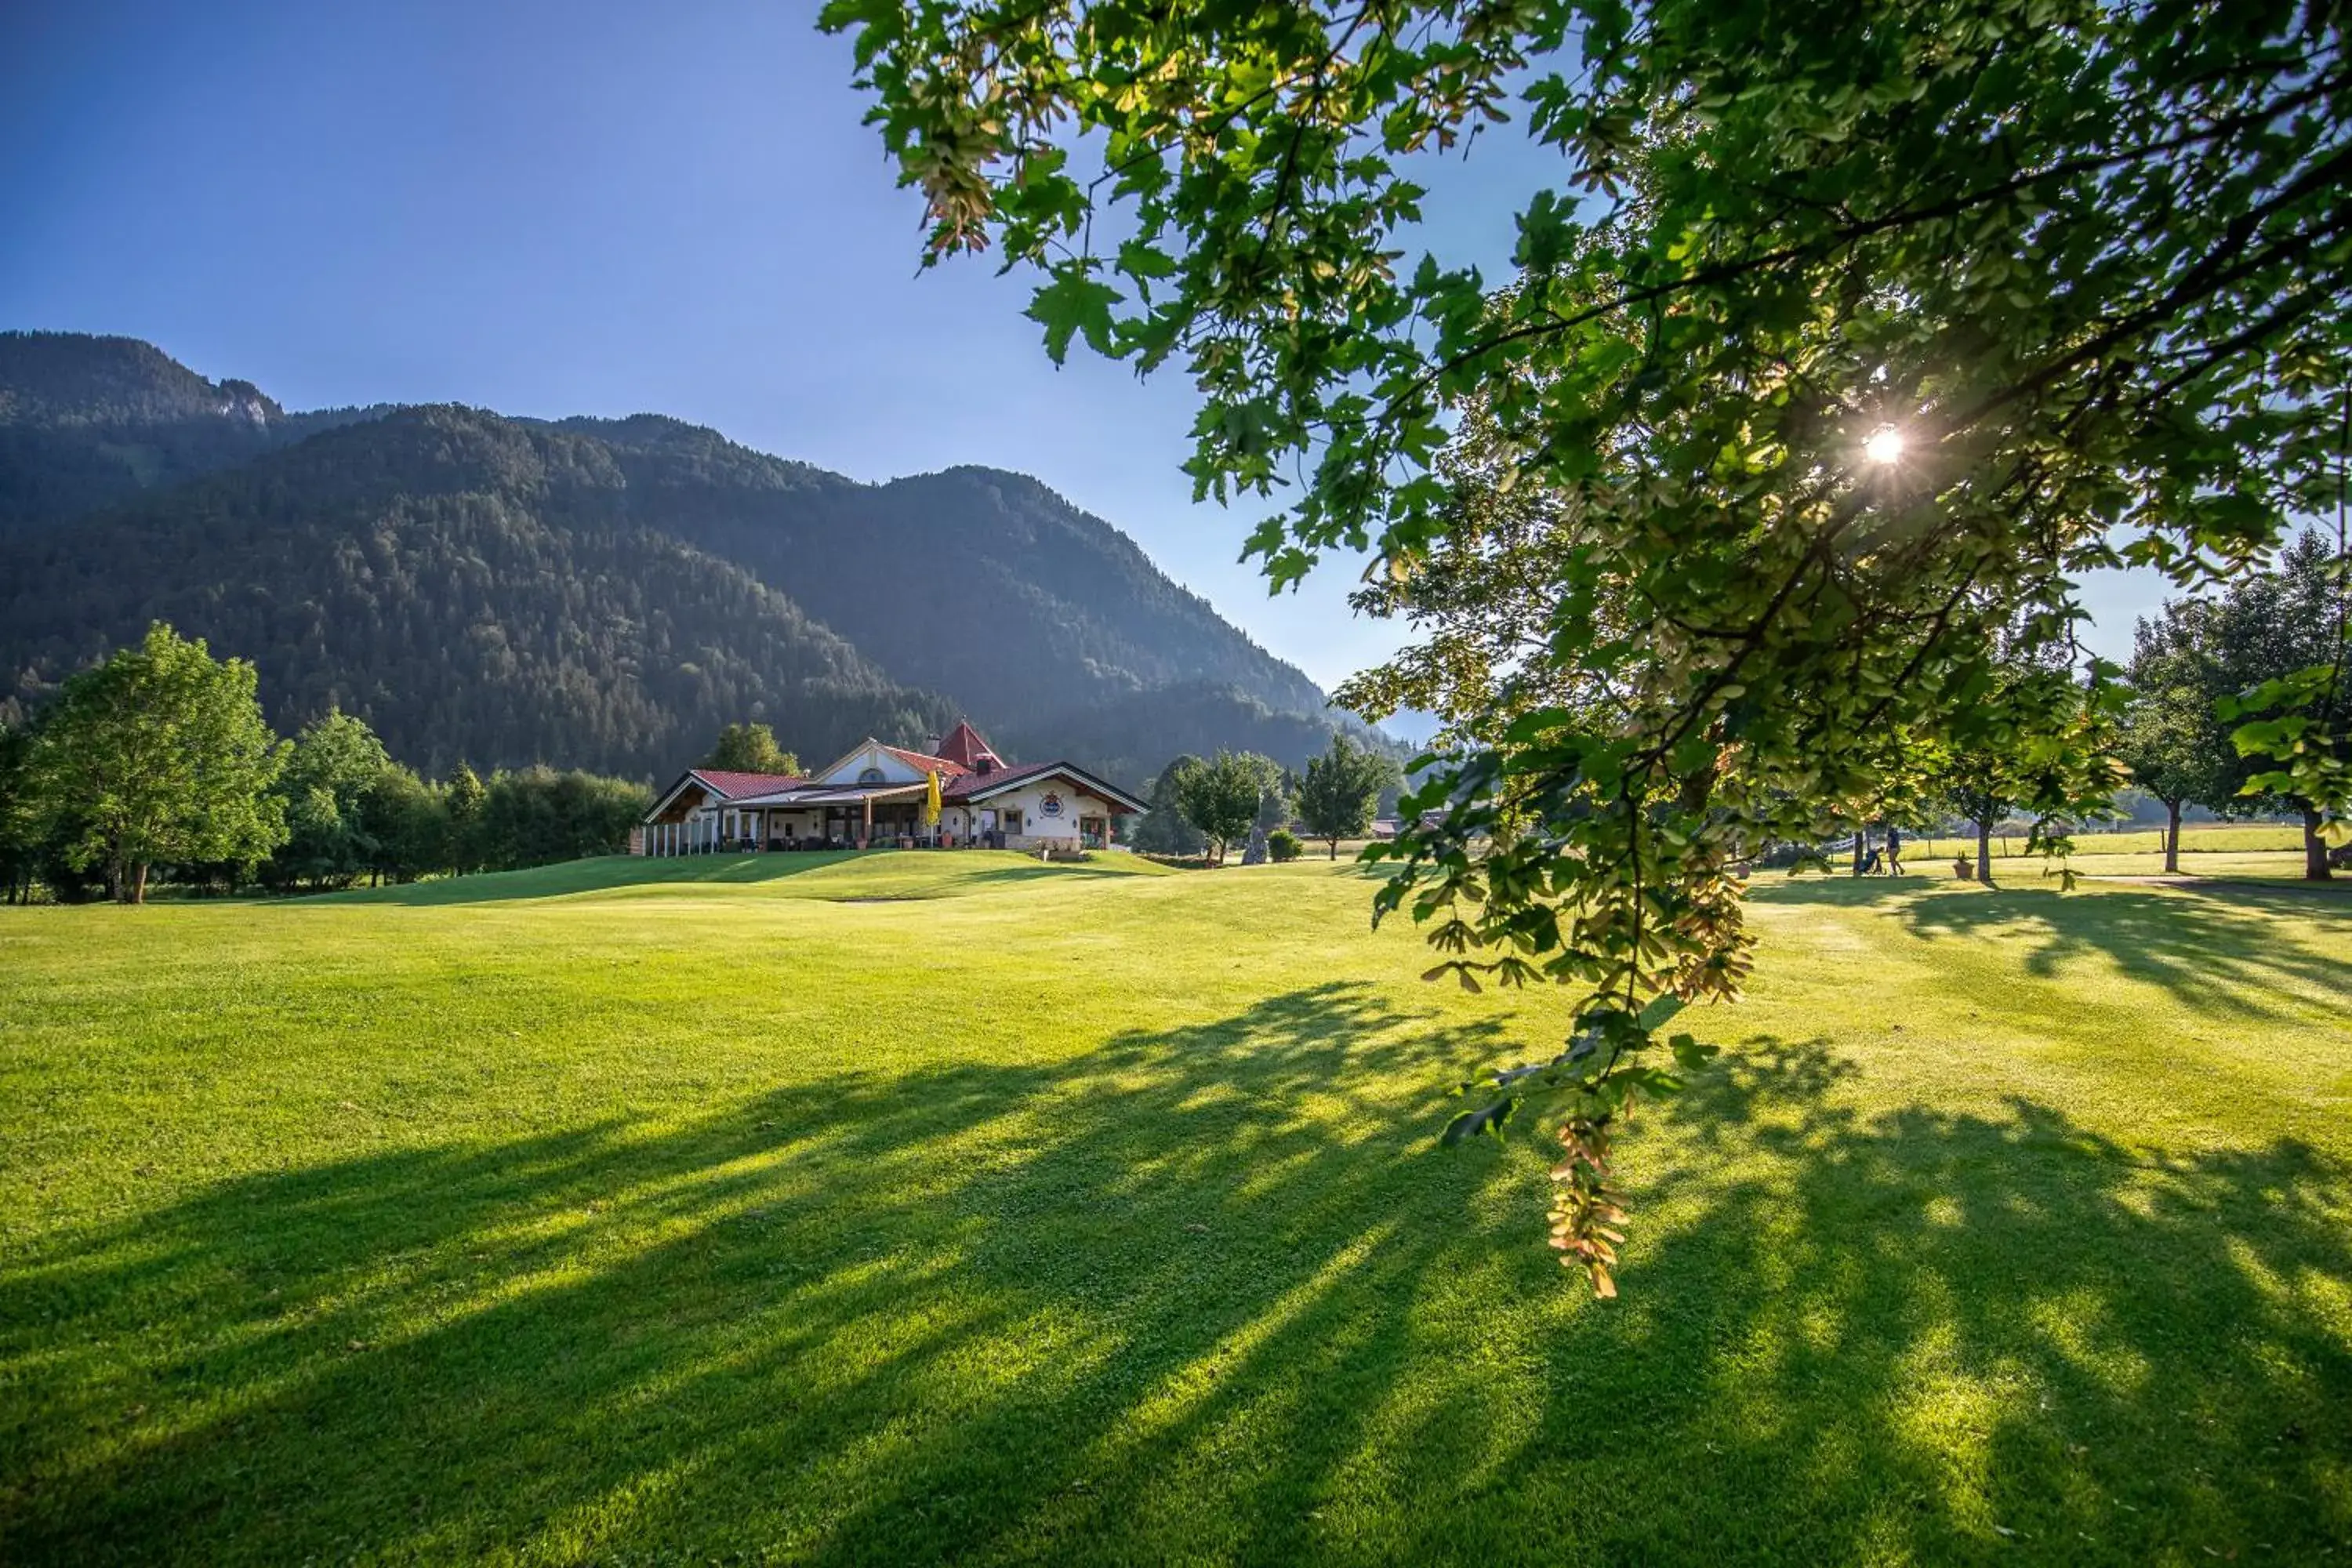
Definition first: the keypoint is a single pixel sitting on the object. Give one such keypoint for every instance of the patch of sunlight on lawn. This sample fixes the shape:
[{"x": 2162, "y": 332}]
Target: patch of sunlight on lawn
[{"x": 617, "y": 1212}]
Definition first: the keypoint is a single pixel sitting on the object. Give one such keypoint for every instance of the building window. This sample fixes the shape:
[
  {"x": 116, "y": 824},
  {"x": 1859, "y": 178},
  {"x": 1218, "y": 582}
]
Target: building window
[{"x": 870, "y": 777}]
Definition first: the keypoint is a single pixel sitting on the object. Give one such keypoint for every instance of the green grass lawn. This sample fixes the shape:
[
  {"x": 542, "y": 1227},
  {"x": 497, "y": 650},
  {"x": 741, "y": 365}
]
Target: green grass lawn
[
  {"x": 911, "y": 1207},
  {"x": 2197, "y": 839},
  {"x": 2029, "y": 871}
]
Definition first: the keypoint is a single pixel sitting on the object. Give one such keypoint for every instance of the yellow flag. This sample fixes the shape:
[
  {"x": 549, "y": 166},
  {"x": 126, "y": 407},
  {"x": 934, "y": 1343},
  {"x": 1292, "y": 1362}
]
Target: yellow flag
[{"x": 931, "y": 802}]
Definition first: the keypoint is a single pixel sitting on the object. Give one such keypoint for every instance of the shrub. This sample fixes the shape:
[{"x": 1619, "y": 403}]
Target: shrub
[{"x": 1283, "y": 844}]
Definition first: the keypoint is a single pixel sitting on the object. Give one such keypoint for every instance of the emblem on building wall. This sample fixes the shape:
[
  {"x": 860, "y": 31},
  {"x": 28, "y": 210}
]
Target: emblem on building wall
[{"x": 1051, "y": 806}]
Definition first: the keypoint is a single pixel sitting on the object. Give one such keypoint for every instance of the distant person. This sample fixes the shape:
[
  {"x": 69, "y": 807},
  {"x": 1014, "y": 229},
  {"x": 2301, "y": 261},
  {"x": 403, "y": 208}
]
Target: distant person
[
  {"x": 1870, "y": 864},
  {"x": 1894, "y": 851}
]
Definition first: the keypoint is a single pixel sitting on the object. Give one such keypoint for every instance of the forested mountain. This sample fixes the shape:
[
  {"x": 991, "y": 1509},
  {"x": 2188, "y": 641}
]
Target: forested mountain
[
  {"x": 591, "y": 592},
  {"x": 87, "y": 422},
  {"x": 472, "y": 588},
  {"x": 945, "y": 577}
]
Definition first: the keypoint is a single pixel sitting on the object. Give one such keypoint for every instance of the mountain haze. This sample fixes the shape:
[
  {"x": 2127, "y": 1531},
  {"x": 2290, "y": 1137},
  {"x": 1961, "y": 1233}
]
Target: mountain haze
[{"x": 591, "y": 591}]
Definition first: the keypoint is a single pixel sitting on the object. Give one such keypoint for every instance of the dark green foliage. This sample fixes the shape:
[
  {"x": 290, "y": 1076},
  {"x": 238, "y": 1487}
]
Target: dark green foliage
[
  {"x": 596, "y": 593},
  {"x": 1223, "y": 799},
  {"x": 407, "y": 824},
  {"x": 750, "y": 749},
  {"x": 19, "y": 842},
  {"x": 537, "y": 817},
  {"x": 1284, "y": 844},
  {"x": 413, "y": 571},
  {"x": 87, "y": 422},
  {"x": 465, "y": 802},
  {"x": 334, "y": 766},
  {"x": 976, "y": 582},
  {"x": 1278, "y": 799},
  {"x": 2172, "y": 737},
  {"x": 2278, "y": 646},
  {"x": 1342, "y": 790},
  {"x": 2234, "y": 697},
  {"x": 157, "y": 758},
  {"x": 1164, "y": 830},
  {"x": 1839, "y": 341},
  {"x": 159, "y": 754}
]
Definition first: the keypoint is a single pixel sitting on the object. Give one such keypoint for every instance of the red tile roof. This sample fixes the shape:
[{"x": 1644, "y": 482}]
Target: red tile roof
[
  {"x": 946, "y": 766},
  {"x": 735, "y": 787},
  {"x": 964, "y": 746},
  {"x": 967, "y": 785}
]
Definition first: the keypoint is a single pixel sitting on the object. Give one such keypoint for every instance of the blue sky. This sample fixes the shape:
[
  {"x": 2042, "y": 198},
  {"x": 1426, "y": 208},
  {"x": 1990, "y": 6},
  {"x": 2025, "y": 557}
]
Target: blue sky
[{"x": 599, "y": 208}]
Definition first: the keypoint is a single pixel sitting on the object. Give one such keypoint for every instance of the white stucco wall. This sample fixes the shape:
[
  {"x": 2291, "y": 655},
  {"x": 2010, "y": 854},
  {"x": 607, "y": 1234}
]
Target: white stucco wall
[{"x": 1029, "y": 799}]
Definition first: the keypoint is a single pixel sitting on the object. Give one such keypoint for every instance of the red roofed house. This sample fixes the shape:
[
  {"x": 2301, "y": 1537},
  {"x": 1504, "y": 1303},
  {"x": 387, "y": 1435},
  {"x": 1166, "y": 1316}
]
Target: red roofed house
[{"x": 875, "y": 796}]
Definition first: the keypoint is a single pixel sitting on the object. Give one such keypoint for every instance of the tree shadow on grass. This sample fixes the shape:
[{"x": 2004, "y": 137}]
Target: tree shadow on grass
[
  {"x": 2221, "y": 947},
  {"x": 2043, "y": 1339},
  {"x": 1209, "y": 1293}
]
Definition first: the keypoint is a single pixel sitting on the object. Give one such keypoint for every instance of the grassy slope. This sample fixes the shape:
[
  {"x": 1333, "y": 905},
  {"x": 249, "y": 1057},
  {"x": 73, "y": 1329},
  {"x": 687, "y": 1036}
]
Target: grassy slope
[{"x": 1065, "y": 1214}]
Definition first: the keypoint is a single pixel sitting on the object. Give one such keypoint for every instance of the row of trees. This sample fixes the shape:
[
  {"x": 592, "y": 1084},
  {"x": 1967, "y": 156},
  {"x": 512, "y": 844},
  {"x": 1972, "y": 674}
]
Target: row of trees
[
  {"x": 1204, "y": 806},
  {"x": 2214, "y": 681},
  {"x": 2203, "y": 668},
  {"x": 158, "y": 761}
]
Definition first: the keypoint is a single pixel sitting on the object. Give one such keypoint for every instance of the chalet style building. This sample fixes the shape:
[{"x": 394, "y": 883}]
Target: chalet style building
[{"x": 878, "y": 796}]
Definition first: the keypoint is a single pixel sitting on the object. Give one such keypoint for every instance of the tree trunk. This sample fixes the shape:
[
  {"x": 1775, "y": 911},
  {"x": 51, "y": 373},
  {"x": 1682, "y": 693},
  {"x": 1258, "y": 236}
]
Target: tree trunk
[
  {"x": 1335, "y": 850},
  {"x": 2314, "y": 849},
  {"x": 139, "y": 883},
  {"x": 2172, "y": 835},
  {"x": 1858, "y": 836},
  {"x": 1984, "y": 853}
]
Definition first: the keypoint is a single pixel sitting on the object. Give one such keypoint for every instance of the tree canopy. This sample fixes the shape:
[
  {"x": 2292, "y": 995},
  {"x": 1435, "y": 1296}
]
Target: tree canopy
[
  {"x": 2277, "y": 638},
  {"x": 2172, "y": 739},
  {"x": 1164, "y": 830},
  {"x": 19, "y": 839},
  {"x": 335, "y": 762},
  {"x": 1845, "y": 338},
  {"x": 1224, "y": 797},
  {"x": 159, "y": 753},
  {"x": 750, "y": 749},
  {"x": 1342, "y": 790},
  {"x": 157, "y": 759}
]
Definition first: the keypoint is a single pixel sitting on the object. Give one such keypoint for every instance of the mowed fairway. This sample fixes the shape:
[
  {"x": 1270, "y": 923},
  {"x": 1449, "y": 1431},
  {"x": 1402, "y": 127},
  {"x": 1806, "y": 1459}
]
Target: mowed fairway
[{"x": 916, "y": 1207}]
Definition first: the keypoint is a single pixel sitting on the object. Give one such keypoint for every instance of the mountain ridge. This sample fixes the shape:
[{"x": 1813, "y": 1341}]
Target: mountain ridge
[{"x": 589, "y": 590}]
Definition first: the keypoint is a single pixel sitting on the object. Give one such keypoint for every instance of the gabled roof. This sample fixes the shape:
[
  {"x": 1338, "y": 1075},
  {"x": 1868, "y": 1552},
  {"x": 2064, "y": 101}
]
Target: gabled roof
[
  {"x": 725, "y": 785},
  {"x": 969, "y": 786},
  {"x": 964, "y": 747},
  {"x": 921, "y": 762},
  {"x": 975, "y": 787},
  {"x": 947, "y": 766},
  {"x": 735, "y": 787}
]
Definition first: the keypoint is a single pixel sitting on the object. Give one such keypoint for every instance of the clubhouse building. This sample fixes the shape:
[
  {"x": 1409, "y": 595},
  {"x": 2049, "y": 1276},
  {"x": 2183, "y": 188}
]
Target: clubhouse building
[{"x": 879, "y": 796}]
